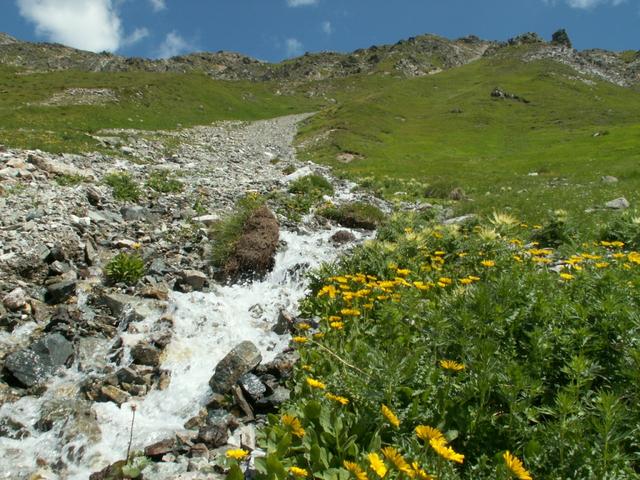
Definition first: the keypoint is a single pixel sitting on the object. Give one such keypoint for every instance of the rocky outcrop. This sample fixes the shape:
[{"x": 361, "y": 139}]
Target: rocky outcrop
[{"x": 255, "y": 250}]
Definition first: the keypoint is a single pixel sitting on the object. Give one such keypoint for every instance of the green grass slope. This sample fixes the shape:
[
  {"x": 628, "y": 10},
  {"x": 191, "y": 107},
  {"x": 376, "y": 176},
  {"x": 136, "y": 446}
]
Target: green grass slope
[
  {"x": 146, "y": 101},
  {"x": 447, "y": 131}
]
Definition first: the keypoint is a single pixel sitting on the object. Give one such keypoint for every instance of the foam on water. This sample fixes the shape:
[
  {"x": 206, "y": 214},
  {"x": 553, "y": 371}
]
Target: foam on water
[{"x": 206, "y": 327}]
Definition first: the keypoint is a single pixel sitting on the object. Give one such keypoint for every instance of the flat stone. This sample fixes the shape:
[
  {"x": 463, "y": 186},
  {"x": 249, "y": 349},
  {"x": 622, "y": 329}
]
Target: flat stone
[
  {"x": 114, "y": 394},
  {"x": 60, "y": 292},
  {"x": 160, "y": 448},
  {"x": 33, "y": 365},
  {"x": 460, "y": 220},
  {"x": 609, "y": 179},
  {"x": 194, "y": 278},
  {"x": 240, "y": 360},
  {"x": 253, "y": 388},
  {"x": 132, "y": 213},
  {"x": 213, "y": 436}
]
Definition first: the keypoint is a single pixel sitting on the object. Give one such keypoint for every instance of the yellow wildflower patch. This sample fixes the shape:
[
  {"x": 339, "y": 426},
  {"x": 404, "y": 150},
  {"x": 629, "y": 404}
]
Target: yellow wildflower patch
[
  {"x": 313, "y": 383},
  {"x": 515, "y": 466},
  {"x": 293, "y": 424},
  {"x": 377, "y": 465},
  {"x": 236, "y": 453},
  {"x": 355, "y": 470}
]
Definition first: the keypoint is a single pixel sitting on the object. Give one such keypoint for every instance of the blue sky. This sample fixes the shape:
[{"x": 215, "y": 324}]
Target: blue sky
[{"x": 276, "y": 29}]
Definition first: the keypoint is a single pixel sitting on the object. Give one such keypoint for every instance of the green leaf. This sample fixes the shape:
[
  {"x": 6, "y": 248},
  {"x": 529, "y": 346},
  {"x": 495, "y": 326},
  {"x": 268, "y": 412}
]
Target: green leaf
[
  {"x": 235, "y": 473},
  {"x": 312, "y": 410}
]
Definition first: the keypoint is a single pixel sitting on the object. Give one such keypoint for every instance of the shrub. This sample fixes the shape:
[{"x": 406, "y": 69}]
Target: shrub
[
  {"x": 227, "y": 231},
  {"x": 123, "y": 186},
  {"x": 311, "y": 185},
  {"x": 161, "y": 181},
  {"x": 354, "y": 215},
  {"x": 126, "y": 268}
]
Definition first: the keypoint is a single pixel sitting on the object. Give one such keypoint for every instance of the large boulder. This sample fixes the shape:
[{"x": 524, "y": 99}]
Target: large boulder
[
  {"x": 256, "y": 248},
  {"x": 33, "y": 365},
  {"x": 241, "y": 360}
]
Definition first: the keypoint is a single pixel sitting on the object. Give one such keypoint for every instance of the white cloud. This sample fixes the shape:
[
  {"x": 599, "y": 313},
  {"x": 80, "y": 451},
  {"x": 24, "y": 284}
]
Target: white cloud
[
  {"x": 294, "y": 47},
  {"x": 137, "y": 35},
  {"x": 301, "y": 3},
  {"x": 587, "y": 4},
  {"x": 158, "y": 5},
  {"x": 327, "y": 28},
  {"x": 90, "y": 25},
  {"x": 173, "y": 45}
]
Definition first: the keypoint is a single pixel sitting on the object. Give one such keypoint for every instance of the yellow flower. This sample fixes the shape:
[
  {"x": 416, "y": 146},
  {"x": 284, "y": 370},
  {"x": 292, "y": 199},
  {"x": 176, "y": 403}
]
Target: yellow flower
[
  {"x": 515, "y": 465},
  {"x": 337, "y": 325},
  {"x": 377, "y": 465},
  {"x": 303, "y": 326},
  {"x": 236, "y": 454},
  {"x": 634, "y": 257},
  {"x": 298, "y": 472},
  {"x": 466, "y": 281},
  {"x": 390, "y": 416},
  {"x": 445, "y": 451},
  {"x": 451, "y": 365},
  {"x": 294, "y": 425},
  {"x": 566, "y": 276},
  {"x": 337, "y": 398},
  {"x": 300, "y": 339},
  {"x": 488, "y": 263},
  {"x": 315, "y": 384},
  {"x": 400, "y": 463},
  {"x": 334, "y": 318},
  {"x": 350, "y": 311},
  {"x": 420, "y": 473},
  {"x": 601, "y": 265},
  {"x": 355, "y": 470},
  {"x": 427, "y": 433}
]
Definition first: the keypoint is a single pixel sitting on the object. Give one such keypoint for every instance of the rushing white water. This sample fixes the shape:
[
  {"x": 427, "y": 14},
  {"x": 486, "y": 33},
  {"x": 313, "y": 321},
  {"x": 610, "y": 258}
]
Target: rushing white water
[{"x": 206, "y": 327}]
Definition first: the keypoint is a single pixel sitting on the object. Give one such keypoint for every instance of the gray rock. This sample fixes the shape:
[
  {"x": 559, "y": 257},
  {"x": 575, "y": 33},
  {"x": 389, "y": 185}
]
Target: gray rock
[
  {"x": 608, "y": 179},
  {"x": 33, "y": 365},
  {"x": 59, "y": 268},
  {"x": 208, "y": 220},
  {"x": 133, "y": 308},
  {"x": 195, "y": 279},
  {"x": 618, "y": 204},
  {"x": 60, "y": 292},
  {"x": 460, "y": 220},
  {"x": 91, "y": 252},
  {"x": 213, "y": 436},
  {"x": 242, "y": 359},
  {"x": 15, "y": 300},
  {"x": 253, "y": 388},
  {"x": 279, "y": 396},
  {"x": 160, "y": 448},
  {"x": 285, "y": 323},
  {"x": 132, "y": 213}
]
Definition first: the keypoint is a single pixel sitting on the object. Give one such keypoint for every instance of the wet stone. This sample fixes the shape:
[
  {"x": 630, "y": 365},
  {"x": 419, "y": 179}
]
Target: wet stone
[
  {"x": 253, "y": 388},
  {"x": 60, "y": 292},
  {"x": 160, "y": 448},
  {"x": 273, "y": 401},
  {"x": 213, "y": 436},
  {"x": 33, "y": 365},
  {"x": 242, "y": 359},
  {"x": 114, "y": 394},
  {"x": 146, "y": 354}
]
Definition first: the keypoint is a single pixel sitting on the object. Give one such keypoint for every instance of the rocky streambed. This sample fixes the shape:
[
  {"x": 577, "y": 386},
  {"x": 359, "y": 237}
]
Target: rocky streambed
[{"x": 200, "y": 362}]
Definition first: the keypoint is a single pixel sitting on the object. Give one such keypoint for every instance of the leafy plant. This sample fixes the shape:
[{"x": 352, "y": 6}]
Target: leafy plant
[
  {"x": 163, "y": 182},
  {"x": 125, "y": 267},
  {"x": 69, "y": 180},
  {"x": 123, "y": 185}
]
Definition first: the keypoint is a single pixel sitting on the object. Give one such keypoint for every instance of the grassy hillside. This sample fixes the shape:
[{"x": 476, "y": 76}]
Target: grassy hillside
[
  {"x": 147, "y": 101},
  {"x": 447, "y": 131}
]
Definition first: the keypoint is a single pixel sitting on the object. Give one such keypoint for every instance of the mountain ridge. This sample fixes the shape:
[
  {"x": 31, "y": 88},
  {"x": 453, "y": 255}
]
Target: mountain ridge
[{"x": 416, "y": 56}]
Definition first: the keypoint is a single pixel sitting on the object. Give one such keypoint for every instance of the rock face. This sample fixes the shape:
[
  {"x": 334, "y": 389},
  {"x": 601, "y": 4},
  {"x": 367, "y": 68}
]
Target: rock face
[
  {"x": 239, "y": 361},
  {"x": 255, "y": 251},
  {"x": 32, "y": 365}
]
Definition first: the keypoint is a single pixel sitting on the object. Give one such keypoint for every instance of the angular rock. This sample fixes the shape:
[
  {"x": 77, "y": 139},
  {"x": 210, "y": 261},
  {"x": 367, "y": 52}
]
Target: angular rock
[
  {"x": 15, "y": 300},
  {"x": 145, "y": 354},
  {"x": 132, "y": 213},
  {"x": 208, "y": 220},
  {"x": 618, "y": 204},
  {"x": 252, "y": 387},
  {"x": 213, "y": 436},
  {"x": 60, "y": 292},
  {"x": 194, "y": 279},
  {"x": 33, "y": 365},
  {"x": 160, "y": 448},
  {"x": 284, "y": 324},
  {"x": 114, "y": 394},
  {"x": 273, "y": 401},
  {"x": 242, "y": 359}
]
